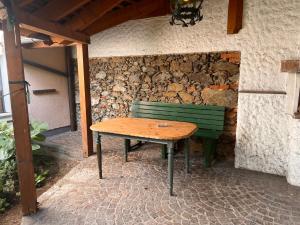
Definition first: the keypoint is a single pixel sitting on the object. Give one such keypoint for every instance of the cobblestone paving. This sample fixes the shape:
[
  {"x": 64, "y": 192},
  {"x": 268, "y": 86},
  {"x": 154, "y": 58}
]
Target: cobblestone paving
[{"x": 136, "y": 193}]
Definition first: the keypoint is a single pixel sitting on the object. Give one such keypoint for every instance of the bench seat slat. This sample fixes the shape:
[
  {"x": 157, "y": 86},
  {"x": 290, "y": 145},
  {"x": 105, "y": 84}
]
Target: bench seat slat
[
  {"x": 171, "y": 105},
  {"x": 183, "y": 119},
  {"x": 208, "y": 119},
  {"x": 182, "y": 110}
]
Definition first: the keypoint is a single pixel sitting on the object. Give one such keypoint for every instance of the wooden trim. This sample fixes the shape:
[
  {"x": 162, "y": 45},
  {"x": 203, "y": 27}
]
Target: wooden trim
[
  {"x": 138, "y": 10},
  {"x": 85, "y": 99},
  {"x": 43, "y": 67},
  {"x": 30, "y": 22},
  {"x": 290, "y": 66},
  {"x": 91, "y": 13},
  {"x": 235, "y": 16},
  {"x": 263, "y": 92},
  {"x": 41, "y": 44},
  {"x": 57, "y": 9},
  {"x": 44, "y": 91},
  {"x": 23, "y": 3},
  {"x": 71, "y": 88},
  {"x": 19, "y": 109}
]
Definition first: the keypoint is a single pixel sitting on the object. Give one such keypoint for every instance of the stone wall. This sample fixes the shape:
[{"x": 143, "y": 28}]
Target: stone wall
[{"x": 208, "y": 78}]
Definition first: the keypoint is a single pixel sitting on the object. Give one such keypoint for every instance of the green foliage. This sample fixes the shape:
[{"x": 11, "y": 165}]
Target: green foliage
[
  {"x": 8, "y": 167},
  {"x": 40, "y": 178}
]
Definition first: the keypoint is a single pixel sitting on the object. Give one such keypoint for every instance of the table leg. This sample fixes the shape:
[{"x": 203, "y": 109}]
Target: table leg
[
  {"x": 170, "y": 166},
  {"x": 99, "y": 154},
  {"x": 187, "y": 155},
  {"x": 127, "y": 149}
]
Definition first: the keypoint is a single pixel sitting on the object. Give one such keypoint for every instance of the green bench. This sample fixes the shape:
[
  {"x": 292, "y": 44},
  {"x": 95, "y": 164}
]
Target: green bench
[{"x": 210, "y": 121}]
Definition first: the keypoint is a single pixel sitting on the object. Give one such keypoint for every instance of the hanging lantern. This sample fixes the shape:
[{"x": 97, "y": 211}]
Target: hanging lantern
[{"x": 186, "y": 12}]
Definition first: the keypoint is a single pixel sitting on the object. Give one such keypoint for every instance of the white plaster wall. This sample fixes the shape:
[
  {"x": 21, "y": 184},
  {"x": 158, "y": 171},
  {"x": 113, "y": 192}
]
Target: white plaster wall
[
  {"x": 50, "y": 108},
  {"x": 262, "y": 133},
  {"x": 271, "y": 32}
]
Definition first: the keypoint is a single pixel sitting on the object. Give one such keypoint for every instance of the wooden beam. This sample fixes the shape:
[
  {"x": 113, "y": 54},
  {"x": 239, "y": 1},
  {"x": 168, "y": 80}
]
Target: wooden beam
[
  {"x": 33, "y": 23},
  {"x": 23, "y": 3},
  {"x": 235, "y": 16},
  {"x": 45, "y": 68},
  {"x": 12, "y": 42},
  {"x": 41, "y": 44},
  {"x": 85, "y": 99},
  {"x": 142, "y": 9},
  {"x": 39, "y": 25},
  {"x": 290, "y": 66},
  {"x": 57, "y": 9},
  {"x": 71, "y": 88},
  {"x": 91, "y": 13}
]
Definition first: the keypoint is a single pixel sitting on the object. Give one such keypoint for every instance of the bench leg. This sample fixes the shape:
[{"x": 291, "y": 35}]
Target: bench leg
[
  {"x": 210, "y": 146},
  {"x": 127, "y": 149},
  {"x": 170, "y": 166},
  {"x": 187, "y": 155},
  {"x": 164, "y": 152},
  {"x": 99, "y": 154}
]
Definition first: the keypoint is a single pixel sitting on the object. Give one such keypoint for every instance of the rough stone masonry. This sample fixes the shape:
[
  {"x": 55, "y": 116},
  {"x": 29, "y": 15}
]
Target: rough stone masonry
[{"x": 204, "y": 78}]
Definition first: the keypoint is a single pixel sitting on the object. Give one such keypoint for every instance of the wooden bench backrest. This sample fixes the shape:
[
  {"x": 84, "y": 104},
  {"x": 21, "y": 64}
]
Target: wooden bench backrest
[{"x": 209, "y": 119}]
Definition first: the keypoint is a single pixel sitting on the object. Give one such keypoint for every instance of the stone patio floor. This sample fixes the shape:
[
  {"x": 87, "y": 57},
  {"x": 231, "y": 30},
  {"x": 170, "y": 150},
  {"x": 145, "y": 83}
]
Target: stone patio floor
[{"x": 136, "y": 192}]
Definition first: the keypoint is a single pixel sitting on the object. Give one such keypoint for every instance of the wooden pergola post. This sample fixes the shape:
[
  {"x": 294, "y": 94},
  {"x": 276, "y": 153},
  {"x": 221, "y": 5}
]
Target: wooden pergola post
[
  {"x": 12, "y": 42},
  {"x": 85, "y": 99}
]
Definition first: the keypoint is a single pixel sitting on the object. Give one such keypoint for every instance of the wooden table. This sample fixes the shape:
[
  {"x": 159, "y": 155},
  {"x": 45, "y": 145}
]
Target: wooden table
[{"x": 148, "y": 130}]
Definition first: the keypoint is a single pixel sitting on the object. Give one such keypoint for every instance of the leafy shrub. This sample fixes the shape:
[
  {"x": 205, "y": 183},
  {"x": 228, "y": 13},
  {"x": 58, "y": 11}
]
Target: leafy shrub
[{"x": 8, "y": 167}]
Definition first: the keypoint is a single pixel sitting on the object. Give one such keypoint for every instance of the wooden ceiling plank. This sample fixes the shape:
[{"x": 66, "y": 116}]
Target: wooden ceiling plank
[
  {"x": 39, "y": 25},
  {"x": 91, "y": 13},
  {"x": 235, "y": 16},
  {"x": 58, "y": 9},
  {"x": 23, "y": 3},
  {"x": 142, "y": 9}
]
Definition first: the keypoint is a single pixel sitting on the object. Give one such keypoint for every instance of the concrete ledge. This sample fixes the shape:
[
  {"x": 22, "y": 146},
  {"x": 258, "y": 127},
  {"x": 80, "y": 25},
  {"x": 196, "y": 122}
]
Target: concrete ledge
[{"x": 5, "y": 117}]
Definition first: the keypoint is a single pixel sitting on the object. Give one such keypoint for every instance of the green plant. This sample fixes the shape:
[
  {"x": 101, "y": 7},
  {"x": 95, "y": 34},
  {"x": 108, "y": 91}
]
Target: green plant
[{"x": 8, "y": 167}]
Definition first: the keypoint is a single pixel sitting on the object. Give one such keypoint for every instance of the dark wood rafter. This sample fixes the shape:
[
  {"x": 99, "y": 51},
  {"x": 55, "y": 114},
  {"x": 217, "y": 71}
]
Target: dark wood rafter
[
  {"x": 85, "y": 99},
  {"x": 13, "y": 51},
  {"x": 45, "y": 68},
  {"x": 63, "y": 23},
  {"x": 29, "y": 22},
  {"x": 39, "y": 25},
  {"x": 142, "y": 9},
  {"x": 235, "y": 16},
  {"x": 23, "y": 3},
  {"x": 58, "y": 9},
  {"x": 91, "y": 13}
]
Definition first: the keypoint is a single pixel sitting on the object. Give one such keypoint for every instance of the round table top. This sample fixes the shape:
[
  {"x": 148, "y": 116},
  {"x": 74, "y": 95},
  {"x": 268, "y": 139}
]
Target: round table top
[{"x": 146, "y": 128}]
